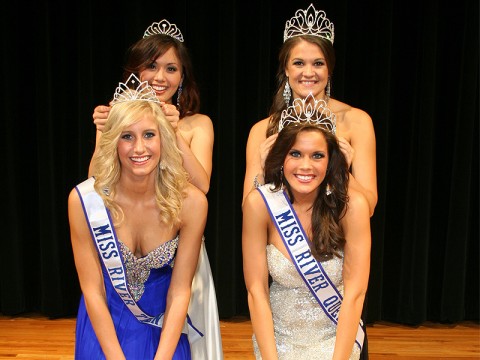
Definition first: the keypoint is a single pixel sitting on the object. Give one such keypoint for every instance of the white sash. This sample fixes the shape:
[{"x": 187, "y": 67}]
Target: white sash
[
  {"x": 297, "y": 244},
  {"x": 105, "y": 238}
]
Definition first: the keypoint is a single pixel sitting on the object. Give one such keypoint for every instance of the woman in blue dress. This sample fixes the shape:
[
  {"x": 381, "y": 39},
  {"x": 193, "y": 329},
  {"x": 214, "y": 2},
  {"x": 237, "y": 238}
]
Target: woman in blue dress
[{"x": 136, "y": 232}]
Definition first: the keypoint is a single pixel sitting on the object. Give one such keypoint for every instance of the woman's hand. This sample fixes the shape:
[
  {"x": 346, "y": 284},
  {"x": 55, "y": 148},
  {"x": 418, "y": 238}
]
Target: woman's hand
[
  {"x": 171, "y": 114},
  {"x": 347, "y": 150},
  {"x": 100, "y": 115}
]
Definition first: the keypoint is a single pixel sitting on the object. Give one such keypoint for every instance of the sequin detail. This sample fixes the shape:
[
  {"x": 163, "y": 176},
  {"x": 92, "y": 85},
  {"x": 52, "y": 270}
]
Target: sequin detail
[
  {"x": 302, "y": 330},
  {"x": 138, "y": 269}
]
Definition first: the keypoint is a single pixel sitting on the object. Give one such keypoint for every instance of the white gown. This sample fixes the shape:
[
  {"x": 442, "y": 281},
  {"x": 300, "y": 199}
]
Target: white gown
[{"x": 204, "y": 312}]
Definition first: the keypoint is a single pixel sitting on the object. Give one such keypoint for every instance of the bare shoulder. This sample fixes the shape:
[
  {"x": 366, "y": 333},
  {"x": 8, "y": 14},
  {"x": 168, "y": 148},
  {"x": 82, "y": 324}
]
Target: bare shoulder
[
  {"x": 73, "y": 198},
  {"x": 254, "y": 202},
  {"x": 260, "y": 127},
  {"x": 258, "y": 133},
  {"x": 357, "y": 203},
  {"x": 195, "y": 200},
  {"x": 350, "y": 114},
  {"x": 196, "y": 120}
]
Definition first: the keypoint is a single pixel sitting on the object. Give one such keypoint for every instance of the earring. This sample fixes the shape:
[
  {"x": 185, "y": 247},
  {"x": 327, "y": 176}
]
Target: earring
[
  {"x": 328, "y": 89},
  {"x": 179, "y": 93},
  {"x": 287, "y": 93},
  {"x": 328, "y": 190},
  {"x": 162, "y": 165},
  {"x": 281, "y": 173}
]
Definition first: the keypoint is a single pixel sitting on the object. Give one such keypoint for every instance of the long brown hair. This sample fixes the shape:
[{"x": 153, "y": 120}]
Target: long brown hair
[
  {"x": 327, "y": 235},
  {"x": 278, "y": 104},
  {"x": 145, "y": 51}
]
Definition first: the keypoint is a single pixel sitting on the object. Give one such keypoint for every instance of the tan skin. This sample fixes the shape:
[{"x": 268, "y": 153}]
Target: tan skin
[
  {"x": 259, "y": 231},
  {"x": 195, "y": 135},
  {"x": 135, "y": 194},
  {"x": 308, "y": 73}
]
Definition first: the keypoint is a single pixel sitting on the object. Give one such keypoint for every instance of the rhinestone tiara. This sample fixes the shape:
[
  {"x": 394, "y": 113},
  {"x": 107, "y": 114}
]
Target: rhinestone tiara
[
  {"x": 309, "y": 22},
  {"x": 166, "y": 28},
  {"x": 311, "y": 111},
  {"x": 134, "y": 90}
]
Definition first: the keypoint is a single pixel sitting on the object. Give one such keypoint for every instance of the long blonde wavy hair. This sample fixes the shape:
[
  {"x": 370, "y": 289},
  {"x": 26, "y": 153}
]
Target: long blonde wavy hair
[{"x": 171, "y": 177}]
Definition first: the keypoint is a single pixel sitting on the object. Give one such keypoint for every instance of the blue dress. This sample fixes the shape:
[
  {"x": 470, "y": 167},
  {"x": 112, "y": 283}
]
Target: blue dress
[{"x": 148, "y": 282}]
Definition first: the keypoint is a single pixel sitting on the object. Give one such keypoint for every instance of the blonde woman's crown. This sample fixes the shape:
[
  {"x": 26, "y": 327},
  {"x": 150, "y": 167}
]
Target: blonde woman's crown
[
  {"x": 311, "y": 111},
  {"x": 309, "y": 22},
  {"x": 134, "y": 90}
]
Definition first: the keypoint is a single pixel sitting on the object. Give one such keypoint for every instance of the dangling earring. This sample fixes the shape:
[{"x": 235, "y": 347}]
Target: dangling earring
[
  {"x": 287, "y": 93},
  {"x": 162, "y": 165},
  {"x": 179, "y": 93},
  {"x": 281, "y": 173},
  {"x": 327, "y": 89},
  {"x": 328, "y": 190}
]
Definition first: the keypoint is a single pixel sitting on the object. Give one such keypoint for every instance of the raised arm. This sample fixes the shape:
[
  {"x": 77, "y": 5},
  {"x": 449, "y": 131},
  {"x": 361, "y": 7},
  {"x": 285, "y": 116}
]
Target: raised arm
[
  {"x": 100, "y": 115},
  {"x": 91, "y": 279},
  {"x": 193, "y": 219},
  {"x": 364, "y": 162},
  {"x": 254, "y": 243},
  {"x": 257, "y": 150},
  {"x": 197, "y": 156},
  {"x": 356, "y": 269}
]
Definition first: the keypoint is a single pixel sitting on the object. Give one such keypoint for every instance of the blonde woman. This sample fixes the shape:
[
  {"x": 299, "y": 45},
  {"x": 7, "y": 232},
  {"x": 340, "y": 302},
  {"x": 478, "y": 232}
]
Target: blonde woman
[{"x": 146, "y": 222}]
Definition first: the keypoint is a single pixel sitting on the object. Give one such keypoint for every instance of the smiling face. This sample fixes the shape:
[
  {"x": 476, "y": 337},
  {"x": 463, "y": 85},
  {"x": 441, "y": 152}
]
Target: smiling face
[
  {"x": 307, "y": 70},
  {"x": 164, "y": 75},
  {"x": 306, "y": 163},
  {"x": 139, "y": 147}
]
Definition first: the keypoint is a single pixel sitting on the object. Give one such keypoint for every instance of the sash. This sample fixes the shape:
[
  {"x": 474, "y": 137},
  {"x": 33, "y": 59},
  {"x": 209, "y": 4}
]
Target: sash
[
  {"x": 297, "y": 244},
  {"x": 105, "y": 239}
]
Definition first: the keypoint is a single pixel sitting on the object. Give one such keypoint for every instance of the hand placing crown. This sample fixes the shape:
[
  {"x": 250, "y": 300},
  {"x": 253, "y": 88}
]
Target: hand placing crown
[
  {"x": 309, "y": 110},
  {"x": 166, "y": 28},
  {"x": 309, "y": 22},
  {"x": 134, "y": 90}
]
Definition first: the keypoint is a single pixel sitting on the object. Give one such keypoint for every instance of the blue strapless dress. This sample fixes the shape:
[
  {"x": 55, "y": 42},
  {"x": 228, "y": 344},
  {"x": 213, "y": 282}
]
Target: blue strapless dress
[{"x": 148, "y": 278}]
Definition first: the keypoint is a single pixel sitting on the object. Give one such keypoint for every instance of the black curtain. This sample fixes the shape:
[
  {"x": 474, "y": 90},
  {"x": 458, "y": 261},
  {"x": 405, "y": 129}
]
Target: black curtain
[{"x": 413, "y": 66}]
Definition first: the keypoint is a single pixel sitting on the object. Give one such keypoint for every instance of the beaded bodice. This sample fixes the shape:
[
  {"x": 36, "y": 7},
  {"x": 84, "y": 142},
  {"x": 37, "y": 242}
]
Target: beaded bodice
[
  {"x": 138, "y": 269},
  {"x": 302, "y": 329}
]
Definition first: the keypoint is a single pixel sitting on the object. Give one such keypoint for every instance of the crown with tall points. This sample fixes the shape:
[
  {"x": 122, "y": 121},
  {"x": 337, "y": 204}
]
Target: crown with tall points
[
  {"x": 166, "y": 28},
  {"x": 311, "y": 111},
  {"x": 309, "y": 22},
  {"x": 134, "y": 90}
]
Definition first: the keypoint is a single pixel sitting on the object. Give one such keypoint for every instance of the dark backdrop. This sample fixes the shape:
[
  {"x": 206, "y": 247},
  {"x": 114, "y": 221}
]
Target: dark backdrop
[{"x": 412, "y": 65}]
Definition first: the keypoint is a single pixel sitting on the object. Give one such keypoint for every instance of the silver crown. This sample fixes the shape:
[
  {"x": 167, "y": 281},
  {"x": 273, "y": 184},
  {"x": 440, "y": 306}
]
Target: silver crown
[
  {"x": 166, "y": 28},
  {"x": 311, "y": 111},
  {"x": 134, "y": 90},
  {"x": 309, "y": 22}
]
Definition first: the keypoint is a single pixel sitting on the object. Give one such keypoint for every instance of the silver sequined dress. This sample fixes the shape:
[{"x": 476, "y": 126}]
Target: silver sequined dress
[{"x": 302, "y": 330}]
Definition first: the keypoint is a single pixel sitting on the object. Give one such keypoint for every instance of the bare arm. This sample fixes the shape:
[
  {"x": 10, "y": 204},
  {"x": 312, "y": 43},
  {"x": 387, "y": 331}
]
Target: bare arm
[
  {"x": 197, "y": 157},
  {"x": 254, "y": 243},
  {"x": 193, "y": 219},
  {"x": 91, "y": 279},
  {"x": 257, "y": 150},
  {"x": 356, "y": 269},
  {"x": 100, "y": 115},
  {"x": 364, "y": 164}
]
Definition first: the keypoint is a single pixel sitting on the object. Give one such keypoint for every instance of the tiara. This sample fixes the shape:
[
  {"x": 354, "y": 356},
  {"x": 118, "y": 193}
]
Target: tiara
[
  {"x": 311, "y": 111},
  {"x": 164, "y": 27},
  {"x": 309, "y": 22},
  {"x": 134, "y": 90}
]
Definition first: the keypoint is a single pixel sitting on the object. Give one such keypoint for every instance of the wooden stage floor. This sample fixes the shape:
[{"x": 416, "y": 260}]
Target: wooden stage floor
[{"x": 36, "y": 337}]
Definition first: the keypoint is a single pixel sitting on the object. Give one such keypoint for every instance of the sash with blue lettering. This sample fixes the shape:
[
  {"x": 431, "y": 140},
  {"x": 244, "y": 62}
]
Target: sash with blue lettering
[
  {"x": 104, "y": 237},
  {"x": 297, "y": 244}
]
